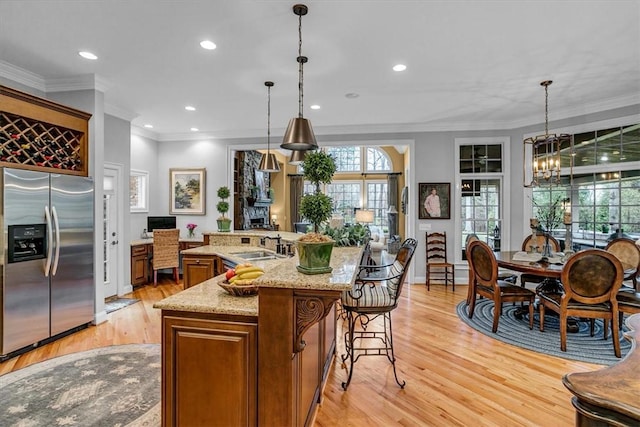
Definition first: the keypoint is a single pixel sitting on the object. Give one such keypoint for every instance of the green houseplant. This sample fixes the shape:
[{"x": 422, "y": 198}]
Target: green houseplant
[
  {"x": 314, "y": 248},
  {"x": 224, "y": 223}
]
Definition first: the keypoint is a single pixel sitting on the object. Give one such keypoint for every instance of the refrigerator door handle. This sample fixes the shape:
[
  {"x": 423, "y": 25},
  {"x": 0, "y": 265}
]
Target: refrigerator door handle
[
  {"x": 47, "y": 266},
  {"x": 57, "y": 233}
]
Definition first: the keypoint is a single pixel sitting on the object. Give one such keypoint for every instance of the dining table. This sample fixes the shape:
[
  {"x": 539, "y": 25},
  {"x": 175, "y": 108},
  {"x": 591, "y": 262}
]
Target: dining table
[{"x": 534, "y": 263}]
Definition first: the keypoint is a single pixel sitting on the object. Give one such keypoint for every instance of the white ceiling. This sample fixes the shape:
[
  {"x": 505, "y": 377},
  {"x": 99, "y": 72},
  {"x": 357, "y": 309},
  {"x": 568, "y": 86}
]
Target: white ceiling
[{"x": 471, "y": 64}]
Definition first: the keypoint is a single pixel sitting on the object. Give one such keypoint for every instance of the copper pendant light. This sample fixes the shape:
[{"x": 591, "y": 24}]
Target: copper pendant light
[
  {"x": 299, "y": 134},
  {"x": 297, "y": 157},
  {"x": 269, "y": 163}
]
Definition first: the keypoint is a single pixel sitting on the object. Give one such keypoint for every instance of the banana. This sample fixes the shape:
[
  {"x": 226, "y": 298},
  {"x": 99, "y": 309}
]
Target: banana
[
  {"x": 243, "y": 282},
  {"x": 243, "y": 270},
  {"x": 250, "y": 275}
]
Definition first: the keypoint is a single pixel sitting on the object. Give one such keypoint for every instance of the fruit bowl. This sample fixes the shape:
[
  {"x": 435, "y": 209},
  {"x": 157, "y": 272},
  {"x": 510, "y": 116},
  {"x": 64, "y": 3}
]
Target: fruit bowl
[{"x": 238, "y": 290}]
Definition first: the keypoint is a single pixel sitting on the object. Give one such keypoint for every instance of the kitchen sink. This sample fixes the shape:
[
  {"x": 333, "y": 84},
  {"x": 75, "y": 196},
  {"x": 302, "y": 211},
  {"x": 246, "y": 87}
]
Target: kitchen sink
[{"x": 257, "y": 255}]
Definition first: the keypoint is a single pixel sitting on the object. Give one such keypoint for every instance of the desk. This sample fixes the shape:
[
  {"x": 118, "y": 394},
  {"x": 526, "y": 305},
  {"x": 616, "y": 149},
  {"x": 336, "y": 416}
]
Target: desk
[
  {"x": 609, "y": 396},
  {"x": 141, "y": 251}
]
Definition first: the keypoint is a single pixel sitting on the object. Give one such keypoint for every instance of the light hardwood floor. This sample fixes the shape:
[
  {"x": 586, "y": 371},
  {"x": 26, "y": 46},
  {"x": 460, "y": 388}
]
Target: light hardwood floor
[{"x": 455, "y": 376}]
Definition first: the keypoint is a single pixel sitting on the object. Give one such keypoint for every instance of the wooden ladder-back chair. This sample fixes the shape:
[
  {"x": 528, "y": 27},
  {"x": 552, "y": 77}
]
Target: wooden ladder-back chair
[
  {"x": 628, "y": 253},
  {"x": 166, "y": 252},
  {"x": 591, "y": 280},
  {"x": 486, "y": 283},
  {"x": 375, "y": 295},
  {"x": 539, "y": 243},
  {"x": 438, "y": 267}
]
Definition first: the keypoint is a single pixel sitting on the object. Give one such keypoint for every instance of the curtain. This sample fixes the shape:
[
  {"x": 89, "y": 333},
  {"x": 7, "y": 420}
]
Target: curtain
[
  {"x": 392, "y": 197},
  {"x": 296, "y": 187}
]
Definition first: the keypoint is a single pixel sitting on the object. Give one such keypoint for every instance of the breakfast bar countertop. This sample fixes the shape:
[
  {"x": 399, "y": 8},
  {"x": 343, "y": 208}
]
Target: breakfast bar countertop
[{"x": 208, "y": 297}]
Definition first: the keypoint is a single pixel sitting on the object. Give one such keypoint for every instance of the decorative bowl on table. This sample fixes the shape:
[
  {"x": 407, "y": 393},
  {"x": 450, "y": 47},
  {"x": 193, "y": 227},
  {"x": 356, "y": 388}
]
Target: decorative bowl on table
[{"x": 238, "y": 290}]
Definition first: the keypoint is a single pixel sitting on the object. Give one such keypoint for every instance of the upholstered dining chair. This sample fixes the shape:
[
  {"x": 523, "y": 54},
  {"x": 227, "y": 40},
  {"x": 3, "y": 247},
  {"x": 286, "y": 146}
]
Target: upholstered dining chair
[
  {"x": 628, "y": 302},
  {"x": 485, "y": 283},
  {"x": 166, "y": 252},
  {"x": 591, "y": 280},
  {"x": 507, "y": 275},
  {"x": 437, "y": 265},
  {"x": 539, "y": 242},
  {"x": 375, "y": 295},
  {"x": 628, "y": 253}
]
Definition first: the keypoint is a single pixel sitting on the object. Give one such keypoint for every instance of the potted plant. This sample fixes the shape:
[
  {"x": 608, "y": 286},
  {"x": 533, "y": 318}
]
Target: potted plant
[
  {"x": 314, "y": 248},
  {"x": 224, "y": 223}
]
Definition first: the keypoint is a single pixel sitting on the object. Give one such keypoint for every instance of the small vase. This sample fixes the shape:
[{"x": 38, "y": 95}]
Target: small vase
[
  {"x": 546, "y": 251},
  {"x": 191, "y": 234}
]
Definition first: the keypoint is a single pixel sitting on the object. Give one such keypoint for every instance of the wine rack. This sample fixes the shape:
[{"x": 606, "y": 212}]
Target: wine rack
[{"x": 38, "y": 134}]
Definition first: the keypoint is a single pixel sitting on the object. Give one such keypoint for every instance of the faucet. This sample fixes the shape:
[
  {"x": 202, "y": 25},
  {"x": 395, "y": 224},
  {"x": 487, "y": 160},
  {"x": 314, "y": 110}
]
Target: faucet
[{"x": 278, "y": 238}]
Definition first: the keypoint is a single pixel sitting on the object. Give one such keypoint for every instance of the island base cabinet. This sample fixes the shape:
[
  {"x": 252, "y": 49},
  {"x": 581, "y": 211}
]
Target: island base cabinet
[
  {"x": 209, "y": 372},
  {"x": 198, "y": 269}
]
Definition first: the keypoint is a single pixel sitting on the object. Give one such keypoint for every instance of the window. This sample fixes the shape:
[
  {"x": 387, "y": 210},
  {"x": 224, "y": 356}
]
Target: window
[
  {"x": 348, "y": 194},
  {"x": 481, "y": 170},
  {"x": 605, "y": 196},
  {"x": 139, "y": 191}
]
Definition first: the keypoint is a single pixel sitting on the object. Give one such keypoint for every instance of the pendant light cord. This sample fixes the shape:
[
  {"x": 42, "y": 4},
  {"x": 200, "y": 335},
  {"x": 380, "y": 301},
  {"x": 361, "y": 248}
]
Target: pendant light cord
[
  {"x": 546, "y": 109},
  {"x": 268, "y": 118},
  {"x": 301, "y": 61}
]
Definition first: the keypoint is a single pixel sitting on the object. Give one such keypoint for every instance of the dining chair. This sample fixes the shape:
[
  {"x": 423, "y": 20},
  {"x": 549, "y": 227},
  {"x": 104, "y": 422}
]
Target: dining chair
[
  {"x": 628, "y": 253},
  {"x": 166, "y": 252},
  {"x": 486, "y": 283},
  {"x": 539, "y": 242},
  {"x": 375, "y": 295},
  {"x": 507, "y": 275},
  {"x": 628, "y": 302},
  {"x": 438, "y": 267},
  {"x": 591, "y": 280}
]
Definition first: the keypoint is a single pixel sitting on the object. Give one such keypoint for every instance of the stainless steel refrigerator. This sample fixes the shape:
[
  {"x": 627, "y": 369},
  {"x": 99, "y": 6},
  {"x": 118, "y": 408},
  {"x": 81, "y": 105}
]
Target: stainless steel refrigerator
[{"x": 47, "y": 277}]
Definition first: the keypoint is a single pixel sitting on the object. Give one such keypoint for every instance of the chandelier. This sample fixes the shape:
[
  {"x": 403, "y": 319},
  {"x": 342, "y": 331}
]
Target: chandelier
[
  {"x": 545, "y": 151},
  {"x": 269, "y": 163},
  {"x": 299, "y": 134}
]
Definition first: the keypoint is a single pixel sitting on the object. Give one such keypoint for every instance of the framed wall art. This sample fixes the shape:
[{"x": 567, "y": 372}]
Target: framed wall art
[
  {"x": 187, "y": 189},
  {"x": 434, "y": 200}
]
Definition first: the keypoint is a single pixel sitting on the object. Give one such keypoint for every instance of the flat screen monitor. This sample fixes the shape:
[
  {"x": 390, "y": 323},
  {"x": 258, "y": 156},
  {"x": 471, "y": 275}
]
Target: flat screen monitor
[{"x": 160, "y": 222}]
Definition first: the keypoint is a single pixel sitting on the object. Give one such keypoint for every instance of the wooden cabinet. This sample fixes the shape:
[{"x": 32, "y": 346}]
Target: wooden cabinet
[
  {"x": 38, "y": 134},
  {"x": 210, "y": 367},
  {"x": 197, "y": 269},
  {"x": 139, "y": 264}
]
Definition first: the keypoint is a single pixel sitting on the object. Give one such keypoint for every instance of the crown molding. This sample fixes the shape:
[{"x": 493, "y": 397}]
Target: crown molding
[
  {"x": 121, "y": 113},
  {"x": 79, "y": 82},
  {"x": 22, "y": 76},
  {"x": 144, "y": 132}
]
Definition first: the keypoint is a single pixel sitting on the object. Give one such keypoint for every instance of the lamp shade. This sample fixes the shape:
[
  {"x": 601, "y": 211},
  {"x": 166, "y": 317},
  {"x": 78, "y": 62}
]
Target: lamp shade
[
  {"x": 392, "y": 209},
  {"x": 297, "y": 157},
  {"x": 299, "y": 135},
  {"x": 363, "y": 215},
  {"x": 269, "y": 163}
]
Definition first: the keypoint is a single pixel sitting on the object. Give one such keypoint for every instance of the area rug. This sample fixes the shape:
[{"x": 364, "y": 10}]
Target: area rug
[
  {"x": 118, "y": 303},
  {"x": 580, "y": 345},
  {"x": 110, "y": 386}
]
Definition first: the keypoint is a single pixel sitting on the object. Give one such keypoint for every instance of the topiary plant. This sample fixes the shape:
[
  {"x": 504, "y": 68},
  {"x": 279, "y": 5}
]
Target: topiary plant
[
  {"x": 223, "y": 205},
  {"x": 318, "y": 168}
]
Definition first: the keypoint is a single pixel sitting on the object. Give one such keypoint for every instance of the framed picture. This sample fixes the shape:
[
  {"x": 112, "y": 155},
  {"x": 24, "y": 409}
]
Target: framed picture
[
  {"x": 187, "y": 187},
  {"x": 435, "y": 200}
]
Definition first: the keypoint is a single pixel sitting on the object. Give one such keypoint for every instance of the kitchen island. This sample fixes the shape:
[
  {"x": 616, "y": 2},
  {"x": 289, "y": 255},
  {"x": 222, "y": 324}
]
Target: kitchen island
[{"x": 257, "y": 360}]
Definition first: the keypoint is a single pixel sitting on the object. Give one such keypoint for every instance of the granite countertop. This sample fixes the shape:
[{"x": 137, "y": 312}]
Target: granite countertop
[
  {"x": 208, "y": 297},
  {"x": 286, "y": 235},
  {"x": 149, "y": 241}
]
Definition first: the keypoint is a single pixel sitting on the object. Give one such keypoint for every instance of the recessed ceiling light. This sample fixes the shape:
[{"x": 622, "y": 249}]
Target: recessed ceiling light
[
  {"x": 208, "y": 44},
  {"x": 87, "y": 55},
  {"x": 615, "y": 152},
  {"x": 148, "y": 126},
  {"x": 623, "y": 157},
  {"x": 351, "y": 95},
  {"x": 190, "y": 108},
  {"x": 194, "y": 129},
  {"x": 315, "y": 107},
  {"x": 399, "y": 67}
]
